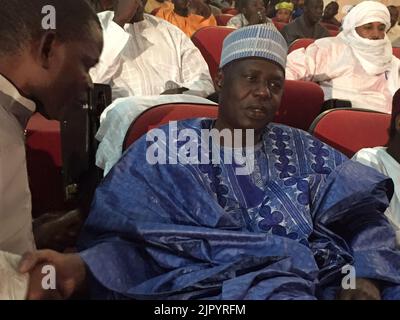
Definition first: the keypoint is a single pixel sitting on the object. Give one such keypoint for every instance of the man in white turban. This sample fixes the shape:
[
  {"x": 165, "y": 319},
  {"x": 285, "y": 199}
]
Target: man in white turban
[{"x": 357, "y": 65}]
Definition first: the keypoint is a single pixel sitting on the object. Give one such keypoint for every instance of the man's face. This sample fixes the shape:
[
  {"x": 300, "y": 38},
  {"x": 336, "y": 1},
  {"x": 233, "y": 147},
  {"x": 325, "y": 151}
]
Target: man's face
[
  {"x": 250, "y": 94},
  {"x": 253, "y": 7},
  {"x": 331, "y": 10},
  {"x": 313, "y": 10},
  {"x": 283, "y": 15},
  {"x": 372, "y": 31},
  {"x": 67, "y": 80}
]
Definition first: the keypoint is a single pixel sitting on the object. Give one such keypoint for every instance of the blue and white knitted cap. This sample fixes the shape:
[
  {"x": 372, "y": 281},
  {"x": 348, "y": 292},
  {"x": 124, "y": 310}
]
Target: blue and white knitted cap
[{"x": 260, "y": 40}]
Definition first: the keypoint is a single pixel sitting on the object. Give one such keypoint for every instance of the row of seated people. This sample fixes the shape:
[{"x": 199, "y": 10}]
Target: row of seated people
[
  {"x": 206, "y": 39},
  {"x": 365, "y": 127}
]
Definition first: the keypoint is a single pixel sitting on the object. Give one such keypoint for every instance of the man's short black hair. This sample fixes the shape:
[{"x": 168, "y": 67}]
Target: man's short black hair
[{"x": 21, "y": 21}]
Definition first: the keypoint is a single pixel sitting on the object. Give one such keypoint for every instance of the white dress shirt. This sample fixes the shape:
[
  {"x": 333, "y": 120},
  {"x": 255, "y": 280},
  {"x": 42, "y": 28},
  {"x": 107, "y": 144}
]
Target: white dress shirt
[
  {"x": 331, "y": 63},
  {"x": 148, "y": 57},
  {"x": 15, "y": 198}
]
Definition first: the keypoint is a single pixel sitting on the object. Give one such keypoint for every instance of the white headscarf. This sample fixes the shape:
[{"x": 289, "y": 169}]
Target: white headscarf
[{"x": 375, "y": 56}]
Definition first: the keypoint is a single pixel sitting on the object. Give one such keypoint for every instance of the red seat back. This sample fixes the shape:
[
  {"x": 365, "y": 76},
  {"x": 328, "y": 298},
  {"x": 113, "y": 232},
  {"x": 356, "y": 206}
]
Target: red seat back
[
  {"x": 300, "y": 43},
  {"x": 162, "y": 114},
  {"x": 209, "y": 41},
  {"x": 231, "y": 11},
  {"x": 301, "y": 103},
  {"x": 350, "y": 130},
  {"x": 396, "y": 52},
  {"x": 222, "y": 19}
]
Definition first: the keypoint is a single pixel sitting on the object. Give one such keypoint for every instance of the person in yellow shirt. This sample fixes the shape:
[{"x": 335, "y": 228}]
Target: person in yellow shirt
[{"x": 188, "y": 22}]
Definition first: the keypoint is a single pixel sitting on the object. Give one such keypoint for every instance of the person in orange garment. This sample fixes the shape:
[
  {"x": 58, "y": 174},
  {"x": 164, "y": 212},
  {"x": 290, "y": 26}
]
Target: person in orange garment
[
  {"x": 152, "y": 5},
  {"x": 189, "y": 23}
]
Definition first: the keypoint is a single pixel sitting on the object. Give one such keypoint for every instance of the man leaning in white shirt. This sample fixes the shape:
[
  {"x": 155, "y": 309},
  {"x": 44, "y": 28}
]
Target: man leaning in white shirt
[{"x": 145, "y": 56}]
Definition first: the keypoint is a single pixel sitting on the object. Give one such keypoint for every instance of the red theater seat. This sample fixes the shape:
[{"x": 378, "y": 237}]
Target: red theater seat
[
  {"x": 300, "y": 43},
  {"x": 162, "y": 114},
  {"x": 301, "y": 103},
  {"x": 43, "y": 152},
  {"x": 396, "y": 52},
  {"x": 231, "y": 11},
  {"x": 350, "y": 130},
  {"x": 222, "y": 19}
]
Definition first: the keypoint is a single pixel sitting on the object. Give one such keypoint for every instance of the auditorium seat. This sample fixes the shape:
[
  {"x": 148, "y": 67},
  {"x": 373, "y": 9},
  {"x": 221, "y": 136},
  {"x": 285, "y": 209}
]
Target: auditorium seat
[{"x": 351, "y": 129}]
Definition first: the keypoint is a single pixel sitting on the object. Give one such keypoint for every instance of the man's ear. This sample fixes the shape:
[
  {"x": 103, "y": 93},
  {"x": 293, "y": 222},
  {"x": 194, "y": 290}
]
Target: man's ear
[
  {"x": 219, "y": 80},
  {"x": 45, "y": 48}
]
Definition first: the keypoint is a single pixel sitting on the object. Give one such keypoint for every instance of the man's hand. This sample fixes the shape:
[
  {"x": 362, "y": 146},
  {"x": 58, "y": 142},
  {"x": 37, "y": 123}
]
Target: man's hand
[
  {"x": 125, "y": 10},
  {"x": 366, "y": 289},
  {"x": 70, "y": 274},
  {"x": 175, "y": 91},
  {"x": 57, "y": 231}
]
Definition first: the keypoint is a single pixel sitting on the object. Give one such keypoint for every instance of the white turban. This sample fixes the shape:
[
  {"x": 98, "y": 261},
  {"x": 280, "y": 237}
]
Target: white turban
[
  {"x": 374, "y": 55},
  {"x": 366, "y": 12}
]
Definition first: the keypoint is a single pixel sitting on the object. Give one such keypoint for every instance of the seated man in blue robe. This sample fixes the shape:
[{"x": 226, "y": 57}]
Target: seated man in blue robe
[{"x": 273, "y": 214}]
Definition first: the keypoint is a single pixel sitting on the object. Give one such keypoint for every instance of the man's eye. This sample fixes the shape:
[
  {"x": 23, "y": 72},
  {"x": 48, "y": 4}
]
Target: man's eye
[{"x": 250, "y": 78}]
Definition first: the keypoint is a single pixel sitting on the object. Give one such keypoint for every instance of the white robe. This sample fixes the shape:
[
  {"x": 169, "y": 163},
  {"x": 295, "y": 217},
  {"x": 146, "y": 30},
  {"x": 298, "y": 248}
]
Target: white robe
[
  {"x": 331, "y": 63},
  {"x": 15, "y": 198},
  {"x": 116, "y": 119}
]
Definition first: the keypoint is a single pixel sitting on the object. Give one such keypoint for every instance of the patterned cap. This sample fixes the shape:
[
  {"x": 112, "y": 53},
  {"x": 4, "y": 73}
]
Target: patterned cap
[{"x": 260, "y": 40}]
